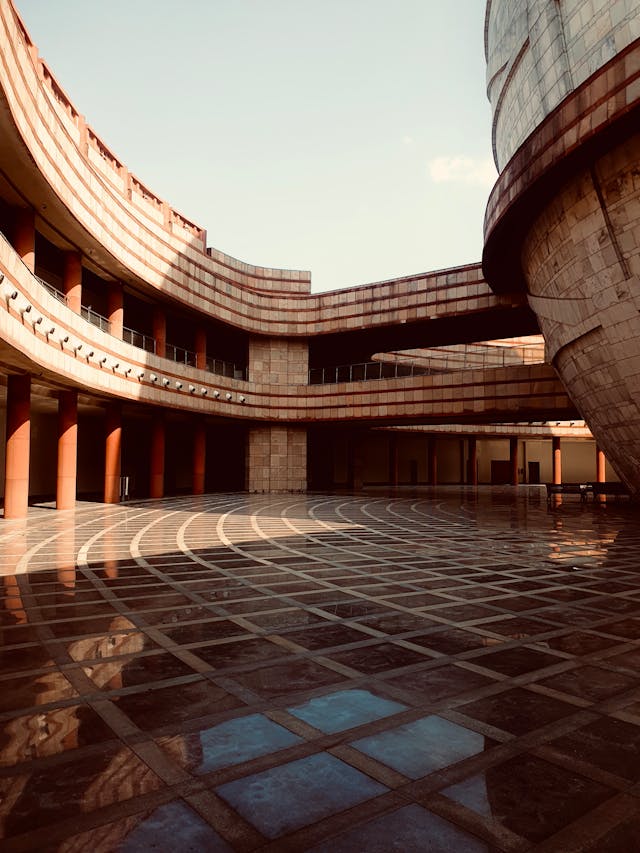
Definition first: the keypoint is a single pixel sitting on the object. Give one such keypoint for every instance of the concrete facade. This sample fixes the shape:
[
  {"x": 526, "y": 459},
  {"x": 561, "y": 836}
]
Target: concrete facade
[
  {"x": 563, "y": 221},
  {"x": 158, "y": 365}
]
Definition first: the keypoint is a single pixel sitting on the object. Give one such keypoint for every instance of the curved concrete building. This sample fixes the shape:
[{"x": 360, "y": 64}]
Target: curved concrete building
[
  {"x": 136, "y": 360},
  {"x": 563, "y": 221}
]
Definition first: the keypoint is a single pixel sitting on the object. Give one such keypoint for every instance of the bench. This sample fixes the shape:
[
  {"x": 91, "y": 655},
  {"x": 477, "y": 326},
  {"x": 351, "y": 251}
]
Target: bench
[
  {"x": 581, "y": 489},
  {"x": 609, "y": 488}
]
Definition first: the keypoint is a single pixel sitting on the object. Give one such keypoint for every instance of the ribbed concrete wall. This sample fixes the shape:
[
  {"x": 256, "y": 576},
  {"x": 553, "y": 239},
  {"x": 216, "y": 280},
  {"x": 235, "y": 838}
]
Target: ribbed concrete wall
[{"x": 564, "y": 84}]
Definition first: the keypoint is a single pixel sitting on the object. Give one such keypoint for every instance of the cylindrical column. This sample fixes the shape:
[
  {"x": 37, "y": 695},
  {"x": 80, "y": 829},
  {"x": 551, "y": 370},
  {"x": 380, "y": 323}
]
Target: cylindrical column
[
  {"x": 201, "y": 348},
  {"x": 160, "y": 330},
  {"x": 156, "y": 484},
  {"x": 432, "y": 450},
  {"x": 24, "y": 236},
  {"x": 67, "y": 449},
  {"x": 72, "y": 280},
  {"x": 513, "y": 459},
  {"x": 115, "y": 308},
  {"x": 601, "y": 463},
  {"x": 473, "y": 461},
  {"x": 557, "y": 461},
  {"x": 199, "y": 457},
  {"x": 113, "y": 444},
  {"x": 16, "y": 477}
]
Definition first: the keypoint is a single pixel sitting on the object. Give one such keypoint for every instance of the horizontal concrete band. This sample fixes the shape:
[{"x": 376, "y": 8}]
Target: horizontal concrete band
[
  {"x": 74, "y": 195},
  {"x": 110, "y": 368},
  {"x": 590, "y": 121}
]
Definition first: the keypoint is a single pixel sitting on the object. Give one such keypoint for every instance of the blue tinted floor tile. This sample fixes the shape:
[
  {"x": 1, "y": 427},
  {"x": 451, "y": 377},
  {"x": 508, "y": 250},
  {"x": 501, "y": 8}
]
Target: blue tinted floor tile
[
  {"x": 240, "y": 740},
  {"x": 408, "y": 830},
  {"x": 423, "y": 746},
  {"x": 172, "y": 827},
  {"x": 298, "y": 793},
  {"x": 345, "y": 709},
  {"x": 471, "y": 793}
]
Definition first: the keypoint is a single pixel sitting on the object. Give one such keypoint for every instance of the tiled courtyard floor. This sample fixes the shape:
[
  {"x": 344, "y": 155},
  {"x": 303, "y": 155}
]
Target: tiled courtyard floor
[{"x": 450, "y": 671}]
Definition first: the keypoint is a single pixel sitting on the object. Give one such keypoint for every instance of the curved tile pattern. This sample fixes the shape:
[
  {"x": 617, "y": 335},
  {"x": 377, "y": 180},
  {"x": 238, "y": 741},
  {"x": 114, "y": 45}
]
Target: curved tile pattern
[{"x": 194, "y": 660}]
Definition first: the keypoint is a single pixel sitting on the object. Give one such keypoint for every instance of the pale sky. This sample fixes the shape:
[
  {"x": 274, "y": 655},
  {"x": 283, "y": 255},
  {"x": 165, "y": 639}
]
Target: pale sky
[{"x": 347, "y": 137}]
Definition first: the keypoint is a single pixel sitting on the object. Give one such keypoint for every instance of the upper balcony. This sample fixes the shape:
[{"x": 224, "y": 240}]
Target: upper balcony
[{"x": 80, "y": 189}]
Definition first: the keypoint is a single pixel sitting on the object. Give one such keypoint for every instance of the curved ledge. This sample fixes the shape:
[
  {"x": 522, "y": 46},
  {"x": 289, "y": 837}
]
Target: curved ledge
[
  {"x": 63, "y": 346},
  {"x": 590, "y": 121},
  {"x": 82, "y": 192}
]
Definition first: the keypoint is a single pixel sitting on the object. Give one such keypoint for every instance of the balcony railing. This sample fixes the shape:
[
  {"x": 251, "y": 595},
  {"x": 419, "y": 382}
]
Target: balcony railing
[
  {"x": 146, "y": 342},
  {"x": 59, "y": 295},
  {"x": 213, "y": 365},
  {"x": 226, "y": 368},
  {"x": 180, "y": 355},
  {"x": 94, "y": 318},
  {"x": 139, "y": 340},
  {"x": 442, "y": 360},
  {"x": 364, "y": 371}
]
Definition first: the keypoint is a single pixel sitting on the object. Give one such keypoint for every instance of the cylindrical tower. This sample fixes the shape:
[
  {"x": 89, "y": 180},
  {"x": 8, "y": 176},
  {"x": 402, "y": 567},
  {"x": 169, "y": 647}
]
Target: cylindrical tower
[{"x": 563, "y": 221}]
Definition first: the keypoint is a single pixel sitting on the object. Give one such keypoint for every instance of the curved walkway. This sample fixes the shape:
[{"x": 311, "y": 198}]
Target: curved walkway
[{"x": 321, "y": 673}]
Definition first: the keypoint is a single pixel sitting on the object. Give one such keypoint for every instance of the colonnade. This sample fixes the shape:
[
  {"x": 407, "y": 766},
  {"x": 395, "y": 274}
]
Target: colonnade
[
  {"x": 467, "y": 467},
  {"x": 18, "y": 450}
]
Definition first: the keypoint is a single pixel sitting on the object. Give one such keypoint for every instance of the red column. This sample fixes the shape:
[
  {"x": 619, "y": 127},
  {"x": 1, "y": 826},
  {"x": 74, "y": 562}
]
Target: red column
[
  {"x": 433, "y": 462},
  {"x": 160, "y": 330},
  {"x": 113, "y": 443},
  {"x": 201, "y": 348},
  {"x": 601, "y": 471},
  {"x": 115, "y": 308},
  {"x": 67, "y": 449},
  {"x": 24, "y": 236},
  {"x": 156, "y": 484},
  {"x": 16, "y": 477},
  {"x": 473, "y": 461},
  {"x": 199, "y": 457},
  {"x": 513, "y": 459},
  {"x": 72, "y": 280},
  {"x": 557, "y": 461}
]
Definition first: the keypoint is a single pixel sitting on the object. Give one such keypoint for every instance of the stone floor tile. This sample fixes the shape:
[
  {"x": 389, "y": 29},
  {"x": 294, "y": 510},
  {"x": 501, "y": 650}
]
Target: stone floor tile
[
  {"x": 518, "y": 710},
  {"x": 271, "y": 800},
  {"x": 345, "y": 709},
  {"x": 411, "y": 829},
  {"x": 228, "y": 743},
  {"x": 423, "y": 746},
  {"x": 267, "y": 665},
  {"x": 530, "y": 797}
]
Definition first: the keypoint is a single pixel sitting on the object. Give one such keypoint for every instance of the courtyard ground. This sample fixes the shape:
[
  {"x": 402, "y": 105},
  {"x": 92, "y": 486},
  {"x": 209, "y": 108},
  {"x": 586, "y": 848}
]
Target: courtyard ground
[{"x": 446, "y": 670}]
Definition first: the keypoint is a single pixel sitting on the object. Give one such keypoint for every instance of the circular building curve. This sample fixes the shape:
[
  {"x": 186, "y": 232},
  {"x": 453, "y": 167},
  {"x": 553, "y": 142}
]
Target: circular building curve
[{"x": 563, "y": 221}]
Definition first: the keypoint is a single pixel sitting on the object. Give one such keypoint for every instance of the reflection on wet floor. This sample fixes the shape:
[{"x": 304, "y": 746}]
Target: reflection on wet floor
[{"x": 449, "y": 670}]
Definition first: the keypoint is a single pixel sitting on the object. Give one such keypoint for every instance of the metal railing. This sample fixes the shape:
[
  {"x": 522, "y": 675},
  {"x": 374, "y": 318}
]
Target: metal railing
[
  {"x": 226, "y": 368},
  {"x": 363, "y": 372},
  {"x": 443, "y": 360},
  {"x": 59, "y": 295},
  {"x": 94, "y": 318},
  {"x": 139, "y": 340},
  {"x": 180, "y": 355},
  {"x": 86, "y": 311}
]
